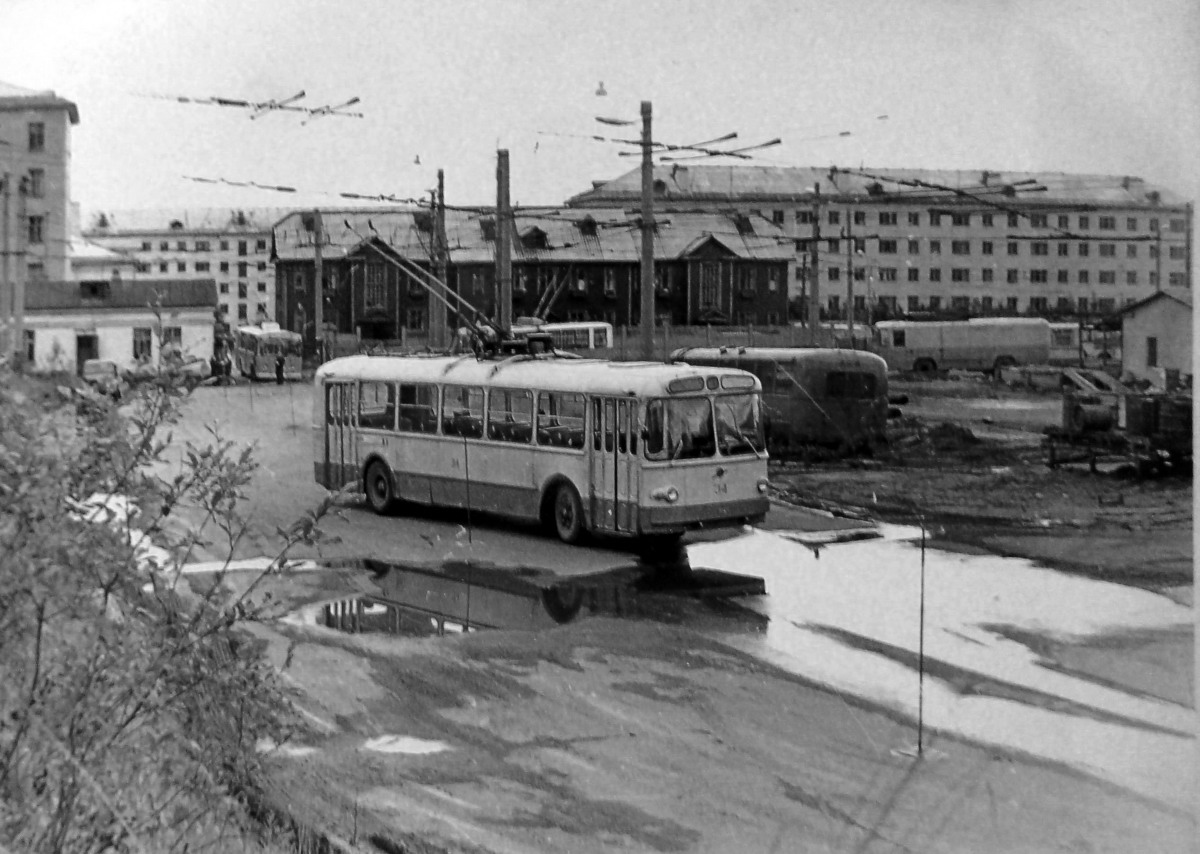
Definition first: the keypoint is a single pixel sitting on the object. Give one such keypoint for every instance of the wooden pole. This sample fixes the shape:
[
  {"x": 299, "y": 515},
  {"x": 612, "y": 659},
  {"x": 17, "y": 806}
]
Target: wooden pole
[{"x": 503, "y": 245}]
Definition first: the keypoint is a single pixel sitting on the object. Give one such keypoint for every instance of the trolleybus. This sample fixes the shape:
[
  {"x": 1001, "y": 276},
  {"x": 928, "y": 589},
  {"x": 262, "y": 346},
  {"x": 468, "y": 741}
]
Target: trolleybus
[
  {"x": 257, "y": 349},
  {"x": 811, "y": 396},
  {"x": 627, "y": 448},
  {"x": 979, "y": 344},
  {"x": 570, "y": 335}
]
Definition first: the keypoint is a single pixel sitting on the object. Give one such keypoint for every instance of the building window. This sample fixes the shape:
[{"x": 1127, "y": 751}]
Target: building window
[
  {"x": 224, "y": 244},
  {"x": 914, "y": 218},
  {"x": 1038, "y": 304},
  {"x": 1064, "y": 221},
  {"x": 181, "y": 266},
  {"x": 1083, "y": 250},
  {"x": 1153, "y": 279},
  {"x": 985, "y": 303},
  {"x": 143, "y": 338},
  {"x": 860, "y": 245},
  {"x": 987, "y": 274},
  {"x": 935, "y": 247},
  {"x": 1178, "y": 252},
  {"x": 835, "y": 246},
  {"x": 914, "y": 274},
  {"x": 887, "y": 274},
  {"x": 35, "y": 229},
  {"x": 1153, "y": 251},
  {"x": 960, "y": 219},
  {"x": 835, "y": 217},
  {"x": 935, "y": 303},
  {"x": 887, "y": 218},
  {"x": 147, "y": 246},
  {"x": 988, "y": 220},
  {"x": 1039, "y": 277},
  {"x": 1014, "y": 248},
  {"x": 202, "y": 246},
  {"x": 202, "y": 266},
  {"x": 1178, "y": 225},
  {"x": 1014, "y": 220},
  {"x": 260, "y": 245},
  {"x": 772, "y": 280},
  {"x": 935, "y": 274},
  {"x": 181, "y": 245},
  {"x": 414, "y": 318},
  {"x": 987, "y": 247},
  {"x": 1010, "y": 304},
  {"x": 1083, "y": 277},
  {"x": 1108, "y": 223},
  {"x": 1064, "y": 277},
  {"x": 1012, "y": 276},
  {"x": 610, "y": 282},
  {"x": 860, "y": 217},
  {"x": 835, "y": 273},
  {"x": 1131, "y": 223},
  {"x": 1108, "y": 250},
  {"x": 223, "y": 287},
  {"x": 914, "y": 303},
  {"x": 860, "y": 274},
  {"x": 1177, "y": 280},
  {"x": 935, "y": 218},
  {"x": 1131, "y": 277},
  {"x": 914, "y": 247},
  {"x": 37, "y": 136},
  {"x": 172, "y": 335},
  {"x": 242, "y": 290},
  {"x": 1085, "y": 222},
  {"x": 262, "y": 287},
  {"x": 1130, "y": 250},
  {"x": 163, "y": 267},
  {"x": 241, "y": 247},
  {"x": 1151, "y": 351},
  {"x": 804, "y": 217},
  {"x": 224, "y": 267},
  {"x": 960, "y": 274},
  {"x": 243, "y": 269},
  {"x": 1040, "y": 247},
  {"x": 887, "y": 247},
  {"x": 262, "y": 266},
  {"x": 262, "y": 310},
  {"x": 242, "y": 315},
  {"x": 37, "y": 183},
  {"x": 960, "y": 247},
  {"x": 1037, "y": 220},
  {"x": 374, "y": 291},
  {"x": 1064, "y": 250}
]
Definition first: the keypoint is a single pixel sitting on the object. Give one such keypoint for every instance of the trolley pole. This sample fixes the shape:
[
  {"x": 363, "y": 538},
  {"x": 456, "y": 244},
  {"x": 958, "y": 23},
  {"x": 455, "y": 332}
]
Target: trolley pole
[
  {"x": 503, "y": 245},
  {"x": 437, "y": 308},
  {"x": 647, "y": 319}
]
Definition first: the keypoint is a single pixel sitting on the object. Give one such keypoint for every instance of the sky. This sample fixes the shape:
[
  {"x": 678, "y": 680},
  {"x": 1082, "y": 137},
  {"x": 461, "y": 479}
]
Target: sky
[{"x": 1092, "y": 86}]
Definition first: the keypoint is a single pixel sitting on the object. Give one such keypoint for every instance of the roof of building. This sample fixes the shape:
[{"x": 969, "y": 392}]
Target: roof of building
[
  {"x": 182, "y": 220},
  {"x": 86, "y": 252},
  {"x": 18, "y": 98},
  {"x": 1182, "y": 299},
  {"x": 678, "y": 183},
  {"x": 120, "y": 293},
  {"x": 549, "y": 234}
]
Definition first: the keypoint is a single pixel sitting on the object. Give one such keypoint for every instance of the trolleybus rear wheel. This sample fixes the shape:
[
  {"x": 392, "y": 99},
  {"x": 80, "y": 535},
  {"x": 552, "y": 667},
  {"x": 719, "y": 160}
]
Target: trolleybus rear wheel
[
  {"x": 378, "y": 485},
  {"x": 568, "y": 514}
]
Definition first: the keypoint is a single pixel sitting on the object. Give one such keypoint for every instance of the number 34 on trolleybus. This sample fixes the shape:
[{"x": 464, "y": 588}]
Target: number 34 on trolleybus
[{"x": 637, "y": 449}]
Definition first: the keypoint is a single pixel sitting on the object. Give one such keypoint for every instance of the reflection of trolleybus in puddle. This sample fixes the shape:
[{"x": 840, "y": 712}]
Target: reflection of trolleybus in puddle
[{"x": 635, "y": 449}]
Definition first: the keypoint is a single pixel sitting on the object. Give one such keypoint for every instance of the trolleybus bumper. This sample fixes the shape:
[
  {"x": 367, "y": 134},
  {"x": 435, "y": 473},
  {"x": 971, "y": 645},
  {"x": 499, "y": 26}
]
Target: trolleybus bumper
[{"x": 662, "y": 520}]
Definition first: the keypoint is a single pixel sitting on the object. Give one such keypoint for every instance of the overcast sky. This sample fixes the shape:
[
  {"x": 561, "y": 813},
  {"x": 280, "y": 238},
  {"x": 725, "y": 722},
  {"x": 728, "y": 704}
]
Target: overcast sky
[{"x": 1095, "y": 86}]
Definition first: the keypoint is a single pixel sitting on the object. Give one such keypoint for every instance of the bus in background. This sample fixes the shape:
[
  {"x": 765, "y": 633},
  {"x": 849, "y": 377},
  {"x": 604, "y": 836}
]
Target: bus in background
[
  {"x": 571, "y": 335},
  {"x": 811, "y": 396},
  {"x": 980, "y": 344},
  {"x": 257, "y": 350},
  {"x": 583, "y": 445}
]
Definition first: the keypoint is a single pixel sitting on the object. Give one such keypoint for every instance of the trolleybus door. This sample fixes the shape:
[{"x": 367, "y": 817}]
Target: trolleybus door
[
  {"x": 614, "y": 464},
  {"x": 340, "y": 463}
]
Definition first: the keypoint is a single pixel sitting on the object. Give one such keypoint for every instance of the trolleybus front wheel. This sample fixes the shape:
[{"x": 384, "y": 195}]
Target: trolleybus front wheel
[
  {"x": 378, "y": 486},
  {"x": 568, "y": 514}
]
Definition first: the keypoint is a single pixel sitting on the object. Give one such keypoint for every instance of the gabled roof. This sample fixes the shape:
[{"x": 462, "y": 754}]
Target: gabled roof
[
  {"x": 568, "y": 237},
  {"x": 122, "y": 294},
  {"x": 1183, "y": 300},
  {"x": 162, "y": 221},
  {"x": 783, "y": 184}
]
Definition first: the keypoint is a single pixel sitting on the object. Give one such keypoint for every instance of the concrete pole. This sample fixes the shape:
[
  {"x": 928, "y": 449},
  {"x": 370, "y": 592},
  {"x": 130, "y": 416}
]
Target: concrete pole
[
  {"x": 647, "y": 265},
  {"x": 318, "y": 287},
  {"x": 814, "y": 287},
  {"x": 504, "y": 224},
  {"x": 850, "y": 278},
  {"x": 20, "y": 270},
  {"x": 438, "y": 339},
  {"x": 7, "y": 345}
]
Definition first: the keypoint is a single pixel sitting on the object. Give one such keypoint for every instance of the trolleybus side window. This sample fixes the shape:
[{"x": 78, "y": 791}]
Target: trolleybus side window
[
  {"x": 377, "y": 406},
  {"x": 462, "y": 411},
  {"x": 850, "y": 384},
  {"x": 510, "y": 415},
  {"x": 341, "y": 404},
  {"x": 560, "y": 419},
  {"x": 418, "y": 408}
]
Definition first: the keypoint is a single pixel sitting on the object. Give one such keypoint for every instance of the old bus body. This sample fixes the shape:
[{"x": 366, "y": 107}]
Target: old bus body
[
  {"x": 584, "y": 445},
  {"x": 811, "y": 396}
]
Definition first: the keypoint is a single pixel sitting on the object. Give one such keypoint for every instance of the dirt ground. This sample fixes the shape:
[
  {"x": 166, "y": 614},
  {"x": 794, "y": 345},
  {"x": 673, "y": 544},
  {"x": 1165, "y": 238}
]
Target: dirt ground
[{"x": 636, "y": 732}]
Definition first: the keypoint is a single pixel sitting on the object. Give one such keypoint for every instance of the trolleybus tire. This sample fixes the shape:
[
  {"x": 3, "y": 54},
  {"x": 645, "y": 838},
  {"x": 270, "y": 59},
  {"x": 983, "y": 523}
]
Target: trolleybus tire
[
  {"x": 1001, "y": 363},
  {"x": 925, "y": 366},
  {"x": 377, "y": 483},
  {"x": 562, "y": 603},
  {"x": 568, "y": 514}
]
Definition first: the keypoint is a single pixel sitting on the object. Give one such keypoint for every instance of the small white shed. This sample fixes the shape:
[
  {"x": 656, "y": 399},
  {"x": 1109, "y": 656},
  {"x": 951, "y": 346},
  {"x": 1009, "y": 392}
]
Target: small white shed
[{"x": 1156, "y": 338}]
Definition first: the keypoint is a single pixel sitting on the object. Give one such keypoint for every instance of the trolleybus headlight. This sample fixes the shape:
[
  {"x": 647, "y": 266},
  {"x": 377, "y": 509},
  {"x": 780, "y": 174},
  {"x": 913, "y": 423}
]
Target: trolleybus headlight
[
  {"x": 762, "y": 485},
  {"x": 669, "y": 495}
]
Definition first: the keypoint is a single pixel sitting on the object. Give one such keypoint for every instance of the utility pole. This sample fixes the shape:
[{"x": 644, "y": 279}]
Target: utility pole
[
  {"x": 437, "y": 308},
  {"x": 814, "y": 289},
  {"x": 849, "y": 279},
  {"x": 1158, "y": 282},
  {"x": 18, "y": 283},
  {"x": 7, "y": 345},
  {"x": 503, "y": 245},
  {"x": 647, "y": 265},
  {"x": 318, "y": 231}
]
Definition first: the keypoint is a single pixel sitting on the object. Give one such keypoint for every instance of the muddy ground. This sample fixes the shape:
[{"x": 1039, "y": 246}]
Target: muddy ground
[{"x": 629, "y": 729}]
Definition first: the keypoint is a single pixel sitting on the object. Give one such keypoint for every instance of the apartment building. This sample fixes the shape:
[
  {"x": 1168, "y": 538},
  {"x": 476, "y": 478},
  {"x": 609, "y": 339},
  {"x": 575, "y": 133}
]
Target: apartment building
[
  {"x": 35, "y": 157},
  {"x": 230, "y": 246},
  {"x": 897, "y": 242}
]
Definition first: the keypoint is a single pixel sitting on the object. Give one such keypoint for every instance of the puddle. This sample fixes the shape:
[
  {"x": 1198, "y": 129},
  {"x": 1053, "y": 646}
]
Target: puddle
[
  {"x": 848, "y": 616},
  {"x": 404, "y": 744}
]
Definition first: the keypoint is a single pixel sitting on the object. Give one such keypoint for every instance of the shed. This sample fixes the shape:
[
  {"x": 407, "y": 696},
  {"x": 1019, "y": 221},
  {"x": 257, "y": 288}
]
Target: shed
[{"x": 1156, "y": 338}]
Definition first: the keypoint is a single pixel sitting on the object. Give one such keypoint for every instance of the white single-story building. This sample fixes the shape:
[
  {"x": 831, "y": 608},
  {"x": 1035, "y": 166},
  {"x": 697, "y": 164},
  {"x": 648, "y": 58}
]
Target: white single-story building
[
  {"x": 67, "y": 323},
  {"x": 1156, "y": 338}
]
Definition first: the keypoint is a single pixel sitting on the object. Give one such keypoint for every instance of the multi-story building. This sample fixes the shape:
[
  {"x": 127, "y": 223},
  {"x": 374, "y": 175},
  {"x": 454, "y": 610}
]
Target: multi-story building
[
  {"x": 709, "y": 268},
  {"x": 230, "y": 246},
  {"x": 908, "y": 242},
  {"x": 35, "y": 156}
]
